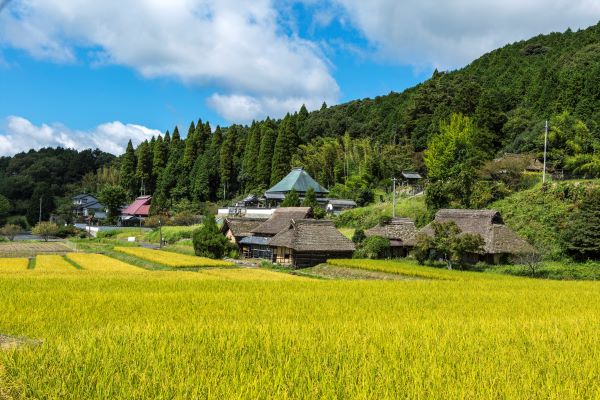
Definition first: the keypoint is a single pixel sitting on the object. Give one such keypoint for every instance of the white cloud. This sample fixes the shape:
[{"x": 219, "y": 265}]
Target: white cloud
[
  {"x": 237, "y": 46},
  {"x": 19, "y": 134},
  {"x": 445, "y": 34}
]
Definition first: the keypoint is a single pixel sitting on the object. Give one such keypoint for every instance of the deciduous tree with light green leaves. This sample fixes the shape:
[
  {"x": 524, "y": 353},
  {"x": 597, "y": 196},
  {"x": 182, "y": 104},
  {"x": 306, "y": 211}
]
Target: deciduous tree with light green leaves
[{"x": 451, "y": 159}]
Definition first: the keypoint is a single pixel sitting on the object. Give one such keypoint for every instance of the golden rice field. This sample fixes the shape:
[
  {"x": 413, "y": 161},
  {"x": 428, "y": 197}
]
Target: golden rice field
[
  {"x": 180, "y": 334},
  {"x": 13, "y": 264},
  {"x": 52, "y": 263},
  {"x": 101, "y": 263},
  {"x": 172, "y": 259}
]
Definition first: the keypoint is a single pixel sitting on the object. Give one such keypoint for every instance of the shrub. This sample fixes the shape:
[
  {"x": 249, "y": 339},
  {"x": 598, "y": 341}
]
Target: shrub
[
  {"x": 68, "y": 231},
  {"x": 374, "y": 247},
  {"x": 209, "y": 241},
  {"x": 19, "y": 220},
  {"x": 185, "y": 218},
  {"x": 358, "y": 236},
  {"x": 10, "y": 231},
  {"x": 45, "y": 229}
]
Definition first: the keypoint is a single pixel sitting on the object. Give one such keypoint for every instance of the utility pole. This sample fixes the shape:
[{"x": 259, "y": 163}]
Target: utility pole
[
  {"x": 41, "y": 197},
  {"x": 394, "y": 197},
  {"x": 545, "y": 150}
]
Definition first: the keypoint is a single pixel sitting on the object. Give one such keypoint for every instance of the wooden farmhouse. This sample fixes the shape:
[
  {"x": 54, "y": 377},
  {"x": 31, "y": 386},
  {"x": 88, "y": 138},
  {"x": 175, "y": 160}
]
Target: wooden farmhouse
[
  {"x": 401, "y": 233},
  {"x": 308, "y": 242},
  {"x": 501, "y": 242},
  {"x": 257, "y": 245},
  {"x": 236, "y": 229}
]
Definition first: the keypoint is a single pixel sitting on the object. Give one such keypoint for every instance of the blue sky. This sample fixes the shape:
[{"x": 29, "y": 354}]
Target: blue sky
[{"x": 81, "y": 73}]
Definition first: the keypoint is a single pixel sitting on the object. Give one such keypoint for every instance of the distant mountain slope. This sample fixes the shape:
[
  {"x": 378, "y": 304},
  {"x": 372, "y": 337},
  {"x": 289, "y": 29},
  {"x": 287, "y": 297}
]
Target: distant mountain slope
[{"x": 510, "y": 91}]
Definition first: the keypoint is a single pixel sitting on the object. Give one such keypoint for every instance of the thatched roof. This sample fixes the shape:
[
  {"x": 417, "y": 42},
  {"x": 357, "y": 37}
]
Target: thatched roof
[
  {"x": 307, "y": 235},
  {"x": 402, "y": 230},
  {"x": 280, "y": 220},
  {"x": 241, "y": 227},
  {"x": 498, "y": 238}
]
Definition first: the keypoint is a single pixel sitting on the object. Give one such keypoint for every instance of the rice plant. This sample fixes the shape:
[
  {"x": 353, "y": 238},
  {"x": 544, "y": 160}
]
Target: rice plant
[
  {"x": 52, "y": 263},
  {"x": 101, "y": 263},
  {"x": 172, "y": 259},
  {"x": 232, "y": 334},
  {"x": 13, "y": 264}
]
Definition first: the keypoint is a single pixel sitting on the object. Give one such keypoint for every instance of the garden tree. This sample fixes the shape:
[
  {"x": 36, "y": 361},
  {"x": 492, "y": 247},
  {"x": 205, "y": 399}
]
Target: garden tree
[
  {"x": 284, "y": 146},
  {"x": 268, "y": 136},
  {"x": 358, "y": 236},
  {"x": 582, "y": 233},
  {"x": 248, "y": 173},
  {"x": 143, "y": 170},
  {"x": 310, "y": 200},
  {"x": 45, "y": 229},
  {"x": 44, "y": 192},
  {"x": 127, "y": 176},
  {"x": 10, "y": 231},
  {"x": 112, "y": 197},
  {"x": 449, "y": 242},
  {"x": 291, "y": 199},
  {"x": 208, "y": 240},
  {"x": 226, "y": 162},
  {"x": 452, "y": 158},
  {"x": 64, "y": 210},
  {"x": 373, "y": 247}
]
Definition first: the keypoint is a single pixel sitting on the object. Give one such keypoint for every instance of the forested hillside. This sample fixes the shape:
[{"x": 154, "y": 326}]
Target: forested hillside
[
  {"x": 48, "y": 174},
  {"x": 495, "y": 105}
]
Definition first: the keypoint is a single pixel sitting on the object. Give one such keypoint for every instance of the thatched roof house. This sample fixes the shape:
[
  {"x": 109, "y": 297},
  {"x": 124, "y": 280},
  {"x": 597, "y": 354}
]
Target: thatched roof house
[
  {"x": 280, "y": 220},
  {"x": 238, "y": 228},
  {"x": 400, "y": 231},
  {"x": 501, "y": 242},
  {"x": 308, "y": 242}
]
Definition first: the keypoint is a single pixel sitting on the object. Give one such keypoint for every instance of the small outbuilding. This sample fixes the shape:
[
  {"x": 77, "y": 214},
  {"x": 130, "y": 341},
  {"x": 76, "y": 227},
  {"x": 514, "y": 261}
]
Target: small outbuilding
[
  {"x": 336, "y": 206},
  {"x": 236, "y": 229},
  {"x": 401, "y": 233},
  {"x": 308, "y": 242},
  {"x": 501, "y": 242}
]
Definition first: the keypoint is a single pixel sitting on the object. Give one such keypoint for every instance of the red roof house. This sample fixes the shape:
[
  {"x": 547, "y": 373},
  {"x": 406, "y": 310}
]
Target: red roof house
[{"x": 139, "y": 208}]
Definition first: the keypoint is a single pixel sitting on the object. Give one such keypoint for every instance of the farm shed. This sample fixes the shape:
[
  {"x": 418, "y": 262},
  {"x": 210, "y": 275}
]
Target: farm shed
[
  {"x": 501, "y": 242},
  {"x": 401, "y": 233},
  {"x": 308, "y": 242},
  {"x": 336, "y": 206},
  {"x": 235, "y": 229},
  {"x": 256, "y": 246}
]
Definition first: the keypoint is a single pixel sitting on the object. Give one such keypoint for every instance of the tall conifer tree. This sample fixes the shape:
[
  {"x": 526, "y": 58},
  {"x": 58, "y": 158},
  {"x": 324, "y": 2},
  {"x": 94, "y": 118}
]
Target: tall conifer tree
[{"x": 127, "y": 176}]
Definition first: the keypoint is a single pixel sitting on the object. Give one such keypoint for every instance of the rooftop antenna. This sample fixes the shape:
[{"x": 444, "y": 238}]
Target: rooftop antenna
[{"x": 545, "y": 150}]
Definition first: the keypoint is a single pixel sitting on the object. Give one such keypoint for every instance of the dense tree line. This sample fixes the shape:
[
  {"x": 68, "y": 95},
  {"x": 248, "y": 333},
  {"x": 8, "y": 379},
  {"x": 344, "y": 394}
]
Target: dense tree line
[
  {"x": 449, "y": 128},
  {"x": 46, "y": 174}
]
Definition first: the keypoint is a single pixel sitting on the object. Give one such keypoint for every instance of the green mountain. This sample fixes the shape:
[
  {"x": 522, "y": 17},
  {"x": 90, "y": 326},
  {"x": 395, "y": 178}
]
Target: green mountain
[{"x": 356, "y": 147}]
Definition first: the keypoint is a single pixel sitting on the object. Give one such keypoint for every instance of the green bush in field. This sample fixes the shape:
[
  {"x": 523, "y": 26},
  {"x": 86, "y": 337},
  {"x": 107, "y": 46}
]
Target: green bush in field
[
  {"x": 10, "y": 231},
  {"x": 373, "y": 247},
  {"x": 209, "y": 241},
  {"x": 45, "y": 229}
]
